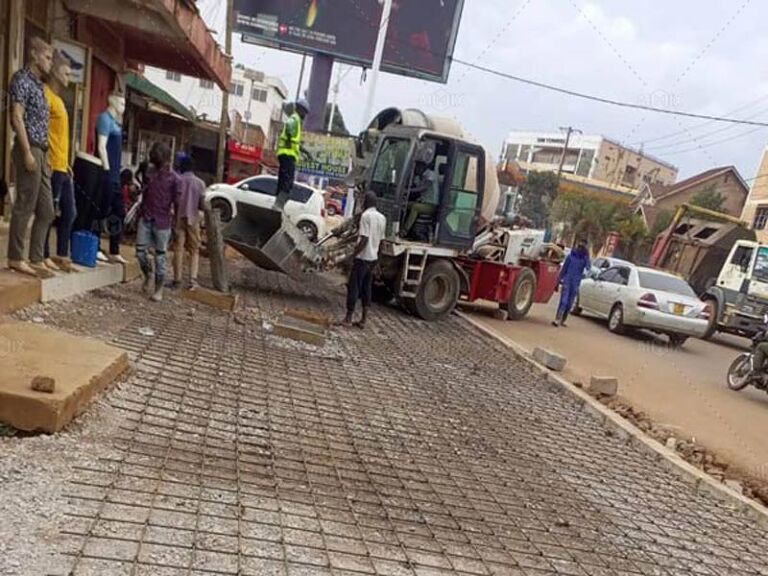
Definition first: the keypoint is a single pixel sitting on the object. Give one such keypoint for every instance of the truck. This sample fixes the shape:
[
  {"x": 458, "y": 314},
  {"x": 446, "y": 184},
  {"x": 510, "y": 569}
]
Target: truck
[
  {"x": 459, "y": 251},
  {"x": 725, "y": 264}
]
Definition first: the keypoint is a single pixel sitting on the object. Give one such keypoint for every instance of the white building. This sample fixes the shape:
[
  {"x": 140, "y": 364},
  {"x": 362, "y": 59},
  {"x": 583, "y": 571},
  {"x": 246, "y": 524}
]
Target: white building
[
  {"x": 589, "y": 158},
  {"x": 255, "y": 97}
]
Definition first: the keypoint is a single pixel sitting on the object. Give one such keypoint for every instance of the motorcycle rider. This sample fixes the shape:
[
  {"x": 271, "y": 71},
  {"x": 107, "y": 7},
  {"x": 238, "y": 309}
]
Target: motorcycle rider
[{"x": 761, "y": 349}]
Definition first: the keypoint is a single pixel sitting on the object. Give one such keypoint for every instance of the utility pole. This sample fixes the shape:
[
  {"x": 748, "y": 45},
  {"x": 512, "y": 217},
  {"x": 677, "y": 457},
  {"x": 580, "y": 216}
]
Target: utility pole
[
  {"x": 377, "y": 57},
  {"x": 568, "y": 131},
  {"x": 224, "y": 121}
]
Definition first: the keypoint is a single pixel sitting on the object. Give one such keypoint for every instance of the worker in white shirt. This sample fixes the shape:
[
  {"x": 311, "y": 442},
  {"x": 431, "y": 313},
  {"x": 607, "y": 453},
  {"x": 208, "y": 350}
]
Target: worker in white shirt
[{"x": 372, "y": 229}]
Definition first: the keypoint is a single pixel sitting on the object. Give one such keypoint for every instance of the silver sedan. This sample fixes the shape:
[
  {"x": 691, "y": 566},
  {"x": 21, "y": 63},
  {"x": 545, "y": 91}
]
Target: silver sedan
[{"x": 630, "y": 296}]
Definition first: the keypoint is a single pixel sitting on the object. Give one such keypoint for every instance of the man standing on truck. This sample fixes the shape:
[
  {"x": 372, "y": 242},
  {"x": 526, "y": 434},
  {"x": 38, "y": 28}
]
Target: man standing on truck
[
  {"x": 570, "y": 280},
  {"x": 372, "y": 228},
  {"x": 289, "y": 149}
]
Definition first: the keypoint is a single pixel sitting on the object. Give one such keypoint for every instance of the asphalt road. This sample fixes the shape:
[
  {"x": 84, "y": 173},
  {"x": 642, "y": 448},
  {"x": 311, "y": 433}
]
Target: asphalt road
[{"x": 683, "y": 389}]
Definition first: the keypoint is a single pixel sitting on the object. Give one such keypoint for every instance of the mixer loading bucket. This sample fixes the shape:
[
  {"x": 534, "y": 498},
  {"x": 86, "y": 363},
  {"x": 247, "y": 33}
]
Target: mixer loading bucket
[{"x": 271, "y": 241}]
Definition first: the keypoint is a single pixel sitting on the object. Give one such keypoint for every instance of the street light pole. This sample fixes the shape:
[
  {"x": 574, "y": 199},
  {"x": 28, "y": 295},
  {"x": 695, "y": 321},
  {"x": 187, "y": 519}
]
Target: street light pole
[
  {"x": 224, "y": 120},
  {"x": 377, "y": 57},
  {"x": 568, "y": 130}
]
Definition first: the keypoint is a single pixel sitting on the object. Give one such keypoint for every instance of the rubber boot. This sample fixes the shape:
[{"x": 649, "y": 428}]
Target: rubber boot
[{"x": 159, "y": 284}]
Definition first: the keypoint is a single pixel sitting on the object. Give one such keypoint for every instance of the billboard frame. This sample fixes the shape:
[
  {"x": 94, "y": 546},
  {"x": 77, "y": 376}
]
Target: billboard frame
[{"x": 297, "y": 48}]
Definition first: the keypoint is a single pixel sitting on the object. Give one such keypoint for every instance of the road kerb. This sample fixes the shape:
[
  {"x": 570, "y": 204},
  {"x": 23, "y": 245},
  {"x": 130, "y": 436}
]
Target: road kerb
[{"x": 625, "y": 430}]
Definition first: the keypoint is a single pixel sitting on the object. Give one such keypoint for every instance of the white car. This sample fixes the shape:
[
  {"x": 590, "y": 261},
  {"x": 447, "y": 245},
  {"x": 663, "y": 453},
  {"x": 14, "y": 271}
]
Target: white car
[
  {"x": 305, "y": 206},
  {"x": 630, "y": 296},
  {"x": 603, "y": 263}
]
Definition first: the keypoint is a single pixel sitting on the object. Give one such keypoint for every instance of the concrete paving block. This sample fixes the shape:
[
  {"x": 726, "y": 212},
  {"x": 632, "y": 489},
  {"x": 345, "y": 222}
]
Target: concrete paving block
[
  {"x": 64, "y": 285},
  {"x": 300, "y": 330},
  {"x": 603, "y": 386},
  {"x": 549, "y": 359},
  {"x": 82, "y": 368},
  {"x": 17, "y": 291},
  {"x": 220, "y": 300}
]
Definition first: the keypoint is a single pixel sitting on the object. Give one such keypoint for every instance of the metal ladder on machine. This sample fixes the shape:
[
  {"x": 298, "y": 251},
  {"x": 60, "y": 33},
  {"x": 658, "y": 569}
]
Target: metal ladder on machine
[{"x": 413, "y": 271}]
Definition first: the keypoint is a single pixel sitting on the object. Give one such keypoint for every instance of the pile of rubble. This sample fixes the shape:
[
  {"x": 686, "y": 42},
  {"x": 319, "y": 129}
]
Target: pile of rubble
[{"x": 691, "y": 452}]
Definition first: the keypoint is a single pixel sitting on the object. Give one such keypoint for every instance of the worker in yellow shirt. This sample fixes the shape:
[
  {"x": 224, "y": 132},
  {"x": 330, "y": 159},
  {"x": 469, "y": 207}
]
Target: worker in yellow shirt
[{"x": 58, "y": 154}]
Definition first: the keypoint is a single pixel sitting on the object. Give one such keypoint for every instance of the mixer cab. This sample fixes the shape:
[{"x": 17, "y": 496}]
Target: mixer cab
[{"x": 430, "y": 187}]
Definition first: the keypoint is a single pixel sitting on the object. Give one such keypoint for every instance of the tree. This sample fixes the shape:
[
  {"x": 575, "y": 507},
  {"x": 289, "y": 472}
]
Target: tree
[
  {"x": 338, "y": 127},
  {"x": 537, "y": 195},
  {"x": 710, "y": 199},
  {"x": 662, "y": 222},
  {"x": 587, "y": 214}
]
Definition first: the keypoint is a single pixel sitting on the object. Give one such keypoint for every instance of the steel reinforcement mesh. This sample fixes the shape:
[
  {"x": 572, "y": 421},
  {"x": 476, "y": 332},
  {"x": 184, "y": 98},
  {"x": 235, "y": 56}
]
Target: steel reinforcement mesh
[{"x": 407, "y": 449}]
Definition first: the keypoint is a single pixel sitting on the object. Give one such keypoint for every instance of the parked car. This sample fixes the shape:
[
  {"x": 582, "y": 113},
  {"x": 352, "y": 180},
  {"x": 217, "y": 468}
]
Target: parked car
[
  {"x": 305, "y": 206},
  {"x": 332, "y": 205},
  {"x": 603, "y": 263},
  {"x": 630, "y": 296}
]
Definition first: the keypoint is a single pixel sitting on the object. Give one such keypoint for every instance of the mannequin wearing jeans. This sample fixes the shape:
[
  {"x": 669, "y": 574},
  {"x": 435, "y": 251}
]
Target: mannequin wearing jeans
[
  {"x": 109, "y": 133},
  {"x": 61, "y": 180}
]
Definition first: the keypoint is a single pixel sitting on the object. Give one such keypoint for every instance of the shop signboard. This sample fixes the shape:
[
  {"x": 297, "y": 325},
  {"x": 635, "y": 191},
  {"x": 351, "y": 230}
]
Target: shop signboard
[{"x": 331, "y": 155}]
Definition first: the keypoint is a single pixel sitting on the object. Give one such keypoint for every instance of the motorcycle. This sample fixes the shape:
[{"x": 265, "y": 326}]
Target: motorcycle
[{"x": 742, "y": 371}]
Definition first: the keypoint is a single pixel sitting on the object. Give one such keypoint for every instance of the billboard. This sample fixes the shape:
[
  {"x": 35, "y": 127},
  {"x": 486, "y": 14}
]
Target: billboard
[
  {"x": 420, "y": 38},
  {"x": 331, "y": 155}
]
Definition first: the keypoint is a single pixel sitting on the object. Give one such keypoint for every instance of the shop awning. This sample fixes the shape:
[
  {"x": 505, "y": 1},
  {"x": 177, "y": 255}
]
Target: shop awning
[
  {"x": 168, "y": 34},
  {"x": 145, "y": 87}
]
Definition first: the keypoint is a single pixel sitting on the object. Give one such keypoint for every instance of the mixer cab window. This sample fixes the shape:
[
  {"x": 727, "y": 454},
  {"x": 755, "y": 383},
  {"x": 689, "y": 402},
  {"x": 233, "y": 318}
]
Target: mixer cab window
[{"x": 425, "y": 189}]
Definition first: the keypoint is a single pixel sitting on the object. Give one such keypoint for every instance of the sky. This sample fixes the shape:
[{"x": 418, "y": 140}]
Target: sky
[{"x": 703, "y": 57}]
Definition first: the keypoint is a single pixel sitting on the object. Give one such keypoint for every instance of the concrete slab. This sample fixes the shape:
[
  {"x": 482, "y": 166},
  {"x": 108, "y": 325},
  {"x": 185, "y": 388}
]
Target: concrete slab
[
  {"x": 17, "y": 291},
  {"x": 81, "y": 367},
  {"x": 301, "y": 330},
  {"x": 213, "y": 298},
  {"x": 64, "y": 285},
  {"x": 311, "y": 316}
]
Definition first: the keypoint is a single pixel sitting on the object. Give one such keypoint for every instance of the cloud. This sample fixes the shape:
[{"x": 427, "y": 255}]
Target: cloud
[{"x": 655, "y": 51}]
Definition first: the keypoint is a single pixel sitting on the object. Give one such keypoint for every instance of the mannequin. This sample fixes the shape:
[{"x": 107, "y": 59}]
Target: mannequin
[
  {"x": 109, "y": 145},
  {"x": 30, "y": 117},
  {"x": 58, "y": 154}
]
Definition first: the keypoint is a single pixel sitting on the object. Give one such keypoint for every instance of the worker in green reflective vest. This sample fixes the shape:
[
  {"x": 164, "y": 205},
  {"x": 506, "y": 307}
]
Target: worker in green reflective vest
[{"x": 289, "y": 149}]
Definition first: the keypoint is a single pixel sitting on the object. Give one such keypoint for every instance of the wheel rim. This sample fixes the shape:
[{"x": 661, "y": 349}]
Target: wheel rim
[
  {"x": 307, "y": 229},
  {"x": 437, "y": 293},
  {"x": 524, "y": 294},
  {"x": 615, "y": 319},
  {"x": 738, "y": 375}
]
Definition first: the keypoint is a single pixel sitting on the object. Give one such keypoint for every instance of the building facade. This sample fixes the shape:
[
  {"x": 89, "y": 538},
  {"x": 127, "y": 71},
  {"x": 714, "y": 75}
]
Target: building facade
[
  {"x": 255, "y": 101},
  {"x": 756, "y": 209},
  {"x": 107, "y": 39},
  {"x": 589, "y": 158},
  {"x": 724, "y": 181}
]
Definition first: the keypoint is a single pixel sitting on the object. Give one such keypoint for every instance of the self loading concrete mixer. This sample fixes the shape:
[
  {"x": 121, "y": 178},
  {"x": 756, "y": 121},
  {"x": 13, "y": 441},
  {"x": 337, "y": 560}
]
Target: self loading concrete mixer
[{"x": 435, "y": 253}]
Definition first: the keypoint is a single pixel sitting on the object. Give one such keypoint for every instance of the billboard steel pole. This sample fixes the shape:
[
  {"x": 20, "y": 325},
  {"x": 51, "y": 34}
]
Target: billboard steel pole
[
  {"x": 377, "y": 57},
  {"x": 224, "y": 120}
]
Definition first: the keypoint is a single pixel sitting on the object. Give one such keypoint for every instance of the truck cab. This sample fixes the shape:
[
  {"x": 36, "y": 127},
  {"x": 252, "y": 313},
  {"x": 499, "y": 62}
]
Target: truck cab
[{"x": 739, "y": 299}]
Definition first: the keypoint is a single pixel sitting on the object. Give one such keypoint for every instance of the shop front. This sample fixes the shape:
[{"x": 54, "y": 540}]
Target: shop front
[
  {"x": 244, "y": 161},
  {"x": 105, "y": 40}
]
